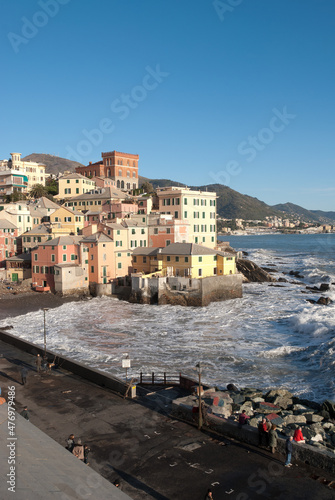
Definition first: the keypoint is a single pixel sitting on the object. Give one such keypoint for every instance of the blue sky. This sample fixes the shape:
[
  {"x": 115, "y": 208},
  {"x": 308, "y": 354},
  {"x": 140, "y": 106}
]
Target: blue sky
[{"x": 238, "y": 92}]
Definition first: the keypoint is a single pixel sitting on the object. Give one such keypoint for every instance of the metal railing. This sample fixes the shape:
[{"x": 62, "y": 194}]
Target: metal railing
[{"x": 159, "y": 379}]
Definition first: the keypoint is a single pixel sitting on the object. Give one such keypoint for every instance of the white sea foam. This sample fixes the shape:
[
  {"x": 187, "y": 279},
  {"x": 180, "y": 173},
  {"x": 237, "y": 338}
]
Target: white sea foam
[{"x": 270, "y": 337}]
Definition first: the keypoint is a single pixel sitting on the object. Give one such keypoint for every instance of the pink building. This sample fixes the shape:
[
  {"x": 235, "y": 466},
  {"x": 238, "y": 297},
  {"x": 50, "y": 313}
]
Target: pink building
[
  {"x": 61, "y": 250},
  {"x": 162, "y": 231},
  {"x": 8, "y": 234}
]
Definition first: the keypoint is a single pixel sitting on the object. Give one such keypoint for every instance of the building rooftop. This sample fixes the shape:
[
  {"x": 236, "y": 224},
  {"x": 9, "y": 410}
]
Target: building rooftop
[
  {"x": 148, "y": 251},
  {"x": 187, "y": 249},
  {"x": 97, "y": 237},
  {"x": 6, "y": 224},
  {"x": 63, "y": 240}
]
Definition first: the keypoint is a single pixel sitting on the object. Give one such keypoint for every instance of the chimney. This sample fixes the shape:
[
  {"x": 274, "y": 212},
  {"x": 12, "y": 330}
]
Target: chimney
[{"x": 90, "y": 163}]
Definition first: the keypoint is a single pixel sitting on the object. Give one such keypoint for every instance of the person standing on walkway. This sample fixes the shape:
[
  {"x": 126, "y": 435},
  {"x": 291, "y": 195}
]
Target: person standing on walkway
[
  {"x": 289, "y": 449},
  {"x": 273, "y": 438},
  {"x": 78, "y": 450},
  {"x": 209, "y": 495},
  {"x": 24, "y": 373},
  {"x": 38, "y": 363},
  {"x": 86, "y": 452},
  {"x": 70, "y": 442},
  {"x": 24, "y": 413}
]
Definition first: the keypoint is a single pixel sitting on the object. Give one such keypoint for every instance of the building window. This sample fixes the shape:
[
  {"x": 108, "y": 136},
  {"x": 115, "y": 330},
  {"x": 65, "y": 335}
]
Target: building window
[
  {"x": 199, "y": 272},
  {"x": 119, "y": 265},
  {"x": 168, "y": 242},
  {"x": 168, "y": 230},
  {"x": 144, "y": 260},
  {"x": 186, "y": 259},
  {"x": 35, "y": 256},
  {"x": 142, "y": 231},
  {"x": 134, "y": 258},
  {"x": 177, "y": 258},
  {"x": 185, "y": 215},
  {"x": 199, "y": 259},
  {"x": 168, "y": 258},
  {"x": 92, "y": 269},
  {"x": 53, "y": 257},
  {"x": 155, "y": 230},
  {"x": 185, "y": 201},
  {"x": 64, "y": 257}
]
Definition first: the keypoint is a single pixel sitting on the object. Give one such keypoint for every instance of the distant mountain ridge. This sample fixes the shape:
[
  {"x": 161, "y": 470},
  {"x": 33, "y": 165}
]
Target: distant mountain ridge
[{"x": 230, "y": 204}]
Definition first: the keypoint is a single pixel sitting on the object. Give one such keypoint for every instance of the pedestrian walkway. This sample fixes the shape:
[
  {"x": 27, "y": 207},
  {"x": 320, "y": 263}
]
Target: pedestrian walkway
[{"x": 43, "y": 469}]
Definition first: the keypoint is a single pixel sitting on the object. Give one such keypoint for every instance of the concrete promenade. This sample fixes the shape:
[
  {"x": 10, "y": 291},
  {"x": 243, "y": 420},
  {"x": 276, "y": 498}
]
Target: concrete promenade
[{"x": 154, "y": 456}]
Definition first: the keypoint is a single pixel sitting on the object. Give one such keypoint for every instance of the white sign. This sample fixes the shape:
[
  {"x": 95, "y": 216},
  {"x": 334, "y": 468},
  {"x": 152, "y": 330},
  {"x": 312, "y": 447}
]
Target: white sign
[{"x": 125, "y": 363}]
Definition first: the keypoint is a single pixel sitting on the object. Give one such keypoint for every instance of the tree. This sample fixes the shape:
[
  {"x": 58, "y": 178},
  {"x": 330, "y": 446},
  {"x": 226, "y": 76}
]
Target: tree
[
  {"x": 15, "y": 196},
  {"x": 37, "y": 191},
  {"x": 52, "y": 186},
  {"x": 148, "y": 187}
]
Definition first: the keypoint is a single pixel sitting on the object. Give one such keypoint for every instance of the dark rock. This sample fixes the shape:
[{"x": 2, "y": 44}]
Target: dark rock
[
  {"x": 282, "y": 280},
  {"x": 324, "y": 287},
  {"x": 306, "y": 402},
  {"x": 329, "y": 406},
  {"x": 252, "y": 272},
  {"x": 311, "y": 301},
  {"x": 268, "y": 270},
  {"x": 278, "y": 286},
  {"x": 324, "y": 301},
  {"x": 245, "y": 253},
  {"x": 296, "y": 274},
  {"x": 232, "y": 387}
]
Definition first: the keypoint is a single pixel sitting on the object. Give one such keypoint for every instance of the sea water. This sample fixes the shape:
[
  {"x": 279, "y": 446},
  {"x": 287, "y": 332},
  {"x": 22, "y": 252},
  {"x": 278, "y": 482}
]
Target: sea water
[{"x": 271, "y": 337}]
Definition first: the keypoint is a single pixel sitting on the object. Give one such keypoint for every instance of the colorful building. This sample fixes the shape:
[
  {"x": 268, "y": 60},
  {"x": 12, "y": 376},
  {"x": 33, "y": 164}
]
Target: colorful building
[
  {"x": 33, "y": 171},
  {"x": 8, "y": 235},
  {"x": 66, "y": 221},
  {"x": 28, "y": 240},
  {"x": 120, "y": 167},
  {"x": 73, "y": 184},
  {"x": 196, "y": 207},
  {"x": 44, "y": 257},
  {"x": 165, "y": 229},
  {"x": 147, "y": 260},
  {"x": 189, "y": 260}
]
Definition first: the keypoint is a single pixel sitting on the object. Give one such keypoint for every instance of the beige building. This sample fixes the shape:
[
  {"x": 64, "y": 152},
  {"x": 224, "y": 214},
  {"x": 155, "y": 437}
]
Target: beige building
[
  {"x": 197, "y": 207},
  {"x": 73, "y": 184},
  {"x": 35, "y": 172}
]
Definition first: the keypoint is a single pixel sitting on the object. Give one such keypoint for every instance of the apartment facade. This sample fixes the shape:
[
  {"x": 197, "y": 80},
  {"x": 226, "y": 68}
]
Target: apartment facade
[
  {"x": 73, "y": 184},
  {"x": 8, "y": 234},
  {"x": 35, "y": 172},
  {"x": 44, "y": 257},
  {"x": 196, "y": 207},
  {"x": 120, "y": 167}
]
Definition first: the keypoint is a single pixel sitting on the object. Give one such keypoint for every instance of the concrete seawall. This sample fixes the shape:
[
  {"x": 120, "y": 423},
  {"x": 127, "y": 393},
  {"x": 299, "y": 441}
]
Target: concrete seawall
[{"x": 96, "y": 376}]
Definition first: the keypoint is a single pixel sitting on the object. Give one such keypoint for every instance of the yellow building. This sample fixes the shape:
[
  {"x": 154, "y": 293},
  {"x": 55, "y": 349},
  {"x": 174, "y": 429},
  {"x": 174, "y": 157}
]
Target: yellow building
[
  {"x": 226, "y": 263},
  {"x": 71, "y": 185},
  {"x": 66, "y": 221},
  {"x": 190, "y": 260},
  {"x": 147, "y": 260},
  {"x": 197, "y": 207}
]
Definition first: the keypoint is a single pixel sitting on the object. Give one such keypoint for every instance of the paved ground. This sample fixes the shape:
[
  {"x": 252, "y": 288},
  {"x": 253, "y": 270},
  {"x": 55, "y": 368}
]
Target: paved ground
[{"x": 155, "y": 456}]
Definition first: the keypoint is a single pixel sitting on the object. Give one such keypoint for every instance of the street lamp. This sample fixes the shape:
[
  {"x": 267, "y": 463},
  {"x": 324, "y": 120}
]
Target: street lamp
[
  {"x": 45, "y": 309},
  {"x": 199, "y": 370}
]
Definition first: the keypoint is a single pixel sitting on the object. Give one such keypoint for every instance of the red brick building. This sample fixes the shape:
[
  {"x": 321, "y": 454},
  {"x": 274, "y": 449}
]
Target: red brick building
[{"x": 121, "y": 167}]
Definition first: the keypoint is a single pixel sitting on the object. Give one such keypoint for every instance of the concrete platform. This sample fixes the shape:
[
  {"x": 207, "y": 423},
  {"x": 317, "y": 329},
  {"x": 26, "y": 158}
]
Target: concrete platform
[
  {"x": 155, "y": 456},
  {"x": 33, "y": 466}
]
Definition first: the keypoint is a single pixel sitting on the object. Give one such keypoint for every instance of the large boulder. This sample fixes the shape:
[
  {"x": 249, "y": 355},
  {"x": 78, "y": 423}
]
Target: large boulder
[
  {"x": 278, "y": 393},
  {"x": 329, "y": 406},
  {"x": 313, "y": 418},
  {"x": 252, "y": 272},
  {"x": 324, "y": 301},
  {"x": 294, "y": 419}
]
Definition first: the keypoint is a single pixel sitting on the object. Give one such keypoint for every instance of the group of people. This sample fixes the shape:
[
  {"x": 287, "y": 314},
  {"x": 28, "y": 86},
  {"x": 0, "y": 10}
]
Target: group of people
[
  {"x": 267, "y": 436},
  {"x": 78, "y": 449}
]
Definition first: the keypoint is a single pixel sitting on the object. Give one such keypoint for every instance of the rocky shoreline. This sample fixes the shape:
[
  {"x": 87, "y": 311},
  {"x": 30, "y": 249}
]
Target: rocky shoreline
[{"x": 279, "y": 406}]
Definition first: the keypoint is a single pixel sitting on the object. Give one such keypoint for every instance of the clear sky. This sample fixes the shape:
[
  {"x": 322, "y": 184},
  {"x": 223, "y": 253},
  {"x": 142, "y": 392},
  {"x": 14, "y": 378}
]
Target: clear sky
[{"x": 239, "y": 92}]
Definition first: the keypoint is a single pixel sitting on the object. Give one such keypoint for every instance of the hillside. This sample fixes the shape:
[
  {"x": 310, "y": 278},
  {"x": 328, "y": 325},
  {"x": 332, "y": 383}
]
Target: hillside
[
  {"x": 230, "y": 204},
  {"x": 54, "y": 164},
  {"x": 307, "y": 215}
]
